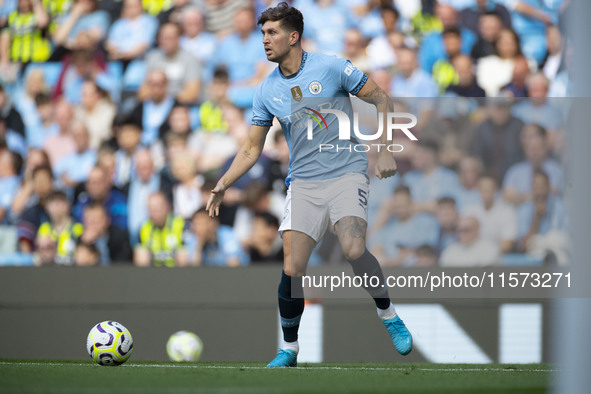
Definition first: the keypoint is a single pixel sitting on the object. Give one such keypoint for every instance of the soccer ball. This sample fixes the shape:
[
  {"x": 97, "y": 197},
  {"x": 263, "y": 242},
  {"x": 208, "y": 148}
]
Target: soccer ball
[
  {"x": 184, "y": 346},
  {"x": 109, "y": 343}
]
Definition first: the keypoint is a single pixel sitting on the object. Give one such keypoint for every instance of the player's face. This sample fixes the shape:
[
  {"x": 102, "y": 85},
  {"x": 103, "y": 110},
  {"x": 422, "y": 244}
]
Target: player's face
[{"x": 275, "y": 40}]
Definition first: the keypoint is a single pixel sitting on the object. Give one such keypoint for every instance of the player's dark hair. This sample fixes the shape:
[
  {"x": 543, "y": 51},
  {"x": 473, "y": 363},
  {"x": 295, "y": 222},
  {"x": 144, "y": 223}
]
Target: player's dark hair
[
  {"x": 291, "y": 18},
  {"x": 446, "y": 201},
  {"x": 268, "y": 218},
  {"x": 451, "y": 31}
]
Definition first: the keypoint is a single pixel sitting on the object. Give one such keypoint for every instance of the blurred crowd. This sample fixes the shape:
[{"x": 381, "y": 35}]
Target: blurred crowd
[{"x": 117, "y": 117}]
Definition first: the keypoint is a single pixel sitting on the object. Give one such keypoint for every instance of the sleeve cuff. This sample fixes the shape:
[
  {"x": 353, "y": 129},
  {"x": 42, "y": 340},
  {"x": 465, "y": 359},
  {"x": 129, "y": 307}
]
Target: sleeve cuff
[
  {"x": 360, "y": 85},
  {"x": 261, "y": 122}
]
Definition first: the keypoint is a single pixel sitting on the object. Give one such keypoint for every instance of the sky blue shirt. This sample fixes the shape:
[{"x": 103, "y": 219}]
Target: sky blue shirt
[
  {"x": 137, "y": 203},
  {"x": 433, "y": 49},
  {"x": 217, "y": 253},
  {"x": 8, "y": 187},
  {"x": 241, "y": 57},
  {"x": 321, "y": 79},
  {"x": 419, "y": 84},
  {"x": 76, "y": 165},
  {"x": 95, "y": 20},
  {"x": 38, "y": 134},
  {"x": 555, "y": 219},
  {"x": 440, "y": 183},
  {"x": 520, "y": 176},
  {"x": 127, "y": 34},
  {"x": 546, "y": 115},
  {"x": 327, "y": 26},
  {"x": 420, "y": 229}
]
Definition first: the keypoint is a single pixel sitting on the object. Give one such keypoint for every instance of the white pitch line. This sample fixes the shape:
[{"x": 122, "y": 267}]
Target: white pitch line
[{"x": 330, "y": 368}]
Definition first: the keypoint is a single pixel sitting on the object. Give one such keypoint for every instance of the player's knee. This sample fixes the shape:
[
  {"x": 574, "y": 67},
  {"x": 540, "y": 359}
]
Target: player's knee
[{"x": 354, "y": 250}]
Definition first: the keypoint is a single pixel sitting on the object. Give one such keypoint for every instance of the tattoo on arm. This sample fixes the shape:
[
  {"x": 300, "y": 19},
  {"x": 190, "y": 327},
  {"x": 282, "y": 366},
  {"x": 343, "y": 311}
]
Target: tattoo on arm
[{"x": 351, "y": 227}]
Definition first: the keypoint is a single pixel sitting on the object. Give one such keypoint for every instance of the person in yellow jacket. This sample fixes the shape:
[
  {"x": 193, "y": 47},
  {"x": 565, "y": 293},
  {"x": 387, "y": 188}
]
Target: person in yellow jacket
[
  {"x": 24, "y": 36},
  {"x": 161, "y": 236},
  {"x": 61, "y": 229}
]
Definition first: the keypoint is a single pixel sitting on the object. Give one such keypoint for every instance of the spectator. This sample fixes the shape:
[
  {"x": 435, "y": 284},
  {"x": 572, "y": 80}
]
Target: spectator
[
  {"x": 380, "y": 51},
  {"x": 395, "y": 244},
  {"x": 443, "y": 72},
  {"x": 210, "y": 112},
  {"x": 10, "y": 169},
  {"x": 161, "y": 236},
  {"x": 244, "y": 57},
  {"x": 447, "y": 216},
  {"x": 32, "y": 217},
  {"x": 128, "y": 139},
  {"x": 471, "y": 17},
  {"x": 151, "y": 114},
  {"x": 182, "y": 72},
  {"x": 411, "y": 81},
  {"x": 46, "y": 127},
  {"x": 495, "y": 71},
  {"x": 22, "y": 38},
  {"x": 24, "y": 99},
  {"x": 11, "y": 139},
  {"x": 174, "y": 14},
  {"x": 99, "y": 189},
  {"x": 61, "y": 228},
  {"x": 96, "y": 112},
  {"x": 517, "y": 184},
  {"x": 142, "y": 185},
  {"x": 356, "y": 50},
  {"x": 489, "y": 28},
  {"x": 74, "y": 168},
  {"x": 25, "y": 197},
  {"x": 156, "y": 7},
  {"x": 107, "y": 161},
  {"x": 186, "y": 194},
  {"x": 61, "y": 144},
  {"x": 9, "y": 114},
  {"x": 433, "y": 48},
  {"x": 428, "y": 181},
  {"x": 538, "y": 109},
  {"x": 263, "y": 247},
  {"x": 471, "y": 250},
  {"x": 497, "y": 141},
  {"x": 219, "y": 15},
  {"x": 542, "y": 222},
  {"x": 131, "y": 35},
  {"x": 466, "y": 85},
  {"x": 213, "y": 244},
  {"x": 111, "y": 241},
  {"x": 530, "y": 18},
  {"x": 45, "y": 252},
  {"x": 498, "y": 221},
  {"x": 470, "y": 169},
  {"x": 84, "y": 27},
  {"x": 554, "y": 61},
  {"x": 86, "y": 255},
  {"x": 517, "y": 87},
  {"x": 196, "y": 41}
]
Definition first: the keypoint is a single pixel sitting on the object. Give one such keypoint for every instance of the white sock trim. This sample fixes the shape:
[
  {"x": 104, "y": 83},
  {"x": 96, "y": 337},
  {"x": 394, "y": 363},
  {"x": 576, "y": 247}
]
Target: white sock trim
[
  {"x": 290, "y": 346},
  {"x": 386, "y": 314}
]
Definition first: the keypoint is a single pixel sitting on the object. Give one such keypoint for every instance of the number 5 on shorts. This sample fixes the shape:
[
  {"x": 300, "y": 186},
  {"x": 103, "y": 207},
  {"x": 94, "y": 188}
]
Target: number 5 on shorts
[{"x": 362, "y": 197}]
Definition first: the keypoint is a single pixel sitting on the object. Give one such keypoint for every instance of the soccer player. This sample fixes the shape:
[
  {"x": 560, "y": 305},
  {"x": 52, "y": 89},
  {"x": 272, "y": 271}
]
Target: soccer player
[{"x": 331, "y": 188}]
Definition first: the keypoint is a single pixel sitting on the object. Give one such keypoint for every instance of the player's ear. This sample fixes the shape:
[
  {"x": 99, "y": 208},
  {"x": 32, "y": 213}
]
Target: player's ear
[{"x": 294, "y": 37}]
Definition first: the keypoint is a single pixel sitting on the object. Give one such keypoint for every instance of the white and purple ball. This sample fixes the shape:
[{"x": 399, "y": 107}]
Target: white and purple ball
[
  {"x": 109, "y": 343},
  {"x": 184, "y": 346}
]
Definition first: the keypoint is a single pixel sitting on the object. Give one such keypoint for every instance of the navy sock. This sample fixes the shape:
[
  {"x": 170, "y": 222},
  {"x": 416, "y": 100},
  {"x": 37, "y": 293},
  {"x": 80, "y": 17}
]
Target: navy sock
[
  {"x": 368, "y": 264},
  {"x": 290, "y": 309}
]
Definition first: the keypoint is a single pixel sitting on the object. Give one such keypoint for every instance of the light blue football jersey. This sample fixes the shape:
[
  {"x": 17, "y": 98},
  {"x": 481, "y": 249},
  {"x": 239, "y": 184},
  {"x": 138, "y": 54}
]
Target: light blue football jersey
[{"x": 321, "y": 82}]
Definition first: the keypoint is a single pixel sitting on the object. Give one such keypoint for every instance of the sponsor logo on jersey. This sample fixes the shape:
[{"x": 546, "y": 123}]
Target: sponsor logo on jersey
[{"x": 315, "y": 87}]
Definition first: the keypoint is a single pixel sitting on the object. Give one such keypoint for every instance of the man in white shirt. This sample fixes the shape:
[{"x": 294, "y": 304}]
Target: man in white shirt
[
  {"x": 471, "y": 250},
  {"x": 498, "y": 221}
]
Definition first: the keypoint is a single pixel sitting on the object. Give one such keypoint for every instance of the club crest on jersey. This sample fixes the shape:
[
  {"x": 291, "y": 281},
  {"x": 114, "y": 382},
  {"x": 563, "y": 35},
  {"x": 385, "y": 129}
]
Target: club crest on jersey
[
  {"x": 315, "y": 87},
  {"x": 296, "y": 93}
]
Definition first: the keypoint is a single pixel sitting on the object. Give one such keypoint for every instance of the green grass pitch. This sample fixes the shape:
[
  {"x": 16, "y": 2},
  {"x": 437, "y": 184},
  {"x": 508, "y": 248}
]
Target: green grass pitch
[{"x": 44, "y": 376}]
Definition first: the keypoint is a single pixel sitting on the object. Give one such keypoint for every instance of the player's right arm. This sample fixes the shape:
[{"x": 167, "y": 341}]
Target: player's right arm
[{"x": 246, "y": 157}]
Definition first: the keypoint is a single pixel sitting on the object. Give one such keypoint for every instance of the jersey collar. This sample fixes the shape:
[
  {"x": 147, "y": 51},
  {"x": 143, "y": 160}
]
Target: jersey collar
[{"x": 304, "y": 57}]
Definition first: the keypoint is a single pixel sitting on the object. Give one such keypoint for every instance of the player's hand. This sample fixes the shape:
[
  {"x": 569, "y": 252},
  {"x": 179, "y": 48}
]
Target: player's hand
[
  {"x": 386, "y": 165},
  {"x": 215, "y": 200}
]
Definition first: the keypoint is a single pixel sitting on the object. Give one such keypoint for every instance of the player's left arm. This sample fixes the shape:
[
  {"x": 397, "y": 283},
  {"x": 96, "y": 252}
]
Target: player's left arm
[{"x": 373, "y": 94}]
